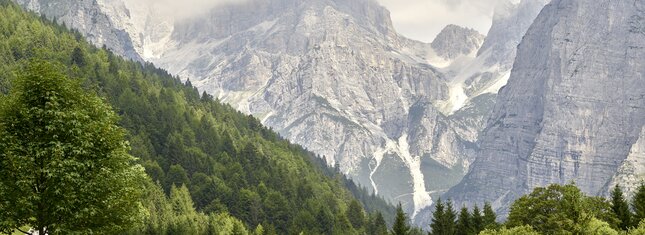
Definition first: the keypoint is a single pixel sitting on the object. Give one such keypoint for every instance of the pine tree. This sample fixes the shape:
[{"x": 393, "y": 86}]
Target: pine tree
[
  {"x": 450, "y": 216},
  {"x": 355, "y": 214},
  {"x": 443, "y": 221},
  {"x": 377, "y": 225},
  {"x": 478, "y": 220},
  {"x": 638, "y": 205},
  {"x": 78, "y": 57},
  {"x": 464, "y": 222},
  {"x": 325, "y": 221},
  {"x": 490, "y": 218},
  {"x": 620, "y": 207},
  {"x": 400, "y": 226},
  {"x": 437, "y": 225}
]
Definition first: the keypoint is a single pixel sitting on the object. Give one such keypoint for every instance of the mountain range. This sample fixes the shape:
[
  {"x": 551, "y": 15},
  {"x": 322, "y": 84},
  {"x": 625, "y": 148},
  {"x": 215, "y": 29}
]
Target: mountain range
[{"x": 406, "y": 119}]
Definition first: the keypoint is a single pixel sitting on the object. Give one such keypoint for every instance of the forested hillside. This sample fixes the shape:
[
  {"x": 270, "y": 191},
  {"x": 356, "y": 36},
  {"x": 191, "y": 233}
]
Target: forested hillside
[{"x": 206, "y": 159}]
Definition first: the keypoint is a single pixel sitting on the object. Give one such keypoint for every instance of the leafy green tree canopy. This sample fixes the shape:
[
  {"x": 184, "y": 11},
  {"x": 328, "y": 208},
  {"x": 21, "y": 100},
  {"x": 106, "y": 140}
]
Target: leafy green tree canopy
[
  {"x": 64, "y": 162},
  {"x": 559, "y": 209}
]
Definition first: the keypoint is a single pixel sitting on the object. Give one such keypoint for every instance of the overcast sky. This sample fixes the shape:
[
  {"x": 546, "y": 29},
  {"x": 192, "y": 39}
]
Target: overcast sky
[{"x": 423, "y": 19}]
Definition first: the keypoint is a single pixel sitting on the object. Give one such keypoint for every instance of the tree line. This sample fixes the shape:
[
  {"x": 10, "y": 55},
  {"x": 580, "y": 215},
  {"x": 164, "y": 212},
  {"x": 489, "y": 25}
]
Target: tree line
[{"x": 555, "y": 209}]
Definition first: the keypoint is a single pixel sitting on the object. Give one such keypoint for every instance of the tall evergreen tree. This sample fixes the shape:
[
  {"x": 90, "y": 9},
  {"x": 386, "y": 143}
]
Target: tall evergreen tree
[
  {"x": 489, "y": 218},
  {"x": 464, "y": 222},
  {"x": 443, "y": 221},
  {"x": 450, "y": 217},
  {"x": 355, "y": 214},
  {"x": 437, "y": 226},
  {"x": 78, "y": 57},
  {"x": 638, "y": 205},
  {"x": 620, "y": 207},
  {"x": 325, "y": 221},
  {"x": 400, "y": 226},
  {"x": 377, "y": 225},
  {"x": 478, "y": 220}
]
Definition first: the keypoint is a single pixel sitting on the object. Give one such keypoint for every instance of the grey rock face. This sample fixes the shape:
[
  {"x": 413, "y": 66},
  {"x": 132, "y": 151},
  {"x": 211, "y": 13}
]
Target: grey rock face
[
  {"x": 475, "y": 82},
  {"x": 632, "y": 171},
  {"x": 87, "y": 17},
  {"x": 510, "y": 22},
  {"x": 454, "y": 41},
  {"x": 334, "y": 77},
  {"x": 573, "y": 108}
]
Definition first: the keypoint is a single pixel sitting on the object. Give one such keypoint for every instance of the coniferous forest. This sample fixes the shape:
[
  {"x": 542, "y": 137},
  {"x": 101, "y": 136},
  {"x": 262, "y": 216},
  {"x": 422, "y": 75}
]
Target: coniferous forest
[{"x": 210, "y": 169}]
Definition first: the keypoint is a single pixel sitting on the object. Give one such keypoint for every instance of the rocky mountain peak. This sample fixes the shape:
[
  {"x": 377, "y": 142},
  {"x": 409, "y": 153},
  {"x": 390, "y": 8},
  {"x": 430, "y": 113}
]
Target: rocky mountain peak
[
  {"x": 454, "y": 41},
  {"x": 233, "y": 18},
  {"x": 573, "y": 107}
]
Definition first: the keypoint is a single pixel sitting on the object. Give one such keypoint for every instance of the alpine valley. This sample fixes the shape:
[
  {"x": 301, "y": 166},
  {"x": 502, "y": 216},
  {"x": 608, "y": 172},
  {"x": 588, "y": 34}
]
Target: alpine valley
[{"x": 407, "y": 120}]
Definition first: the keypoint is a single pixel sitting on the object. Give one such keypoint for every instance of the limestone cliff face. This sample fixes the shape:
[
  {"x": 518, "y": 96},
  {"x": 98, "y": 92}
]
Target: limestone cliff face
[
  {"x": 454, "y": 41},
  {"x": 573, "y": 108},
  {"x": 332, "y": 76},
  {"x": 510, "y": 22},
  {"x": 87, "y": 17}
]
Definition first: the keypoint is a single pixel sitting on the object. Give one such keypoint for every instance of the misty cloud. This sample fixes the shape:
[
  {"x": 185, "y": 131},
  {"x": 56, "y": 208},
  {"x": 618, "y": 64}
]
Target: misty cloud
[
  {"x": 424, "y": 19},
  {"x": 417, "y": 19},
  {"x": 181, "y": 8}
]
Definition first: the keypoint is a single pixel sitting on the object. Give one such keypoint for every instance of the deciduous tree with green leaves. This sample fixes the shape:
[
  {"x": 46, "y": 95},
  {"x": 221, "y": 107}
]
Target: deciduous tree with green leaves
[
  {"x": 64, "y": 162},
  {"x": 559, "y": 209}
]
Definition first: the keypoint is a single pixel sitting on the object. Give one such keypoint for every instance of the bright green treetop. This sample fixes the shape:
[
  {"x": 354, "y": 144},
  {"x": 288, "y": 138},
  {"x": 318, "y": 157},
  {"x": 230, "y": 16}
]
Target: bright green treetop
[{"x": 64, "y": 163}]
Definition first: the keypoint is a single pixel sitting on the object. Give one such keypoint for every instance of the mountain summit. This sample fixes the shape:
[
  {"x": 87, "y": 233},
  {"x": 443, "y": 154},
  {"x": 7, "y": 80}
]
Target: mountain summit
[{"x": 454, "y": 41}]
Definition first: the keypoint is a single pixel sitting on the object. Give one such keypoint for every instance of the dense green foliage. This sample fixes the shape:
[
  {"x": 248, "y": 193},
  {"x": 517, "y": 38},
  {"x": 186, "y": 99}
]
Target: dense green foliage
[
  {"x": 620, "y": 207},
  {"x": 401, "y": 225},
  {"x": 176, "y": 214},
  {"x": 196, "y": 148},
  {"x": 564, "y": 209},
  {"x": 441, "y": 222},
  {"x": 376, "y": 225},
  {"x": 477, "y": 220},
  {"x": 465, "y": 223},
  {"x": 638, "y": 205},
  {"x": 445, "y": 221},
  {"x": 520, "y": 230},
  {"x": 490, "y": 217},
  {"x": 64, "y": 162},
  {"x": 559, "y": 208},
  {"x": 556, "y": 209}
]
